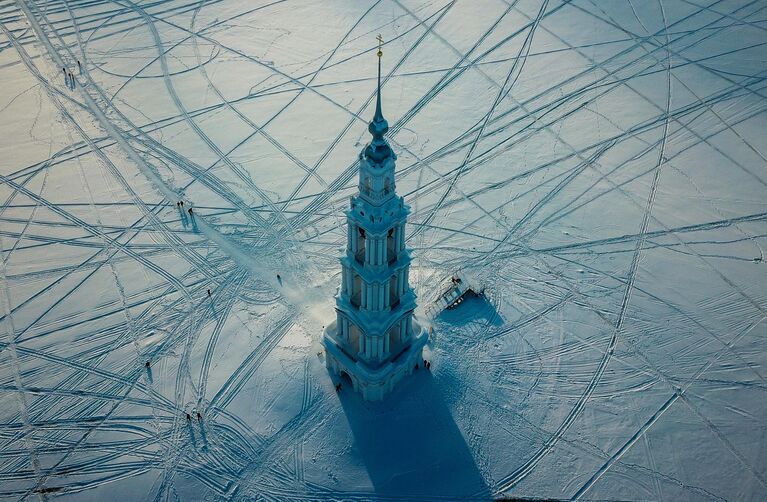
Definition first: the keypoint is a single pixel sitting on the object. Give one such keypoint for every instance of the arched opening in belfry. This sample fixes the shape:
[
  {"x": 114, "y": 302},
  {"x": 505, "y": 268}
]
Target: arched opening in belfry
[
  {"x": 393, "y": 291},
  {"x": 361, "y": 241},
  {"x": 387, "y": 186},
  {"x": 368, "y": 184},
  {"x": 356, "y": 296},
  {"x": 354, "y": 337},
  {"x": 391, "y": 252},
  {"x": 394, "y": 339}
]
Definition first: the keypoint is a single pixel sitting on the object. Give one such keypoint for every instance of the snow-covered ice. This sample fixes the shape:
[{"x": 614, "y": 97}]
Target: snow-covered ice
[{"x": 598, "y": 166}]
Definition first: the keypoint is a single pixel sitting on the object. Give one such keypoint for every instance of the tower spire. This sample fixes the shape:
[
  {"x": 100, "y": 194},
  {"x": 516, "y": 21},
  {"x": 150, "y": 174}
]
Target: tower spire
[
  {"x": 378, "y": 149},
  {"x": 379, "y": 115}
]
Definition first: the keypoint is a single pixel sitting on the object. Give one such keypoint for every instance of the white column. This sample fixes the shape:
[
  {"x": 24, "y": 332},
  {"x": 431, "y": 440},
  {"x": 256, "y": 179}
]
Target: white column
[
  {"x": 373, "y": 305},
  {"x": 384, "y": 258},
  {"x": 371, "y": 249},
  {"x": 371, "y": 298},
  {"x": 382, "y": 250}
]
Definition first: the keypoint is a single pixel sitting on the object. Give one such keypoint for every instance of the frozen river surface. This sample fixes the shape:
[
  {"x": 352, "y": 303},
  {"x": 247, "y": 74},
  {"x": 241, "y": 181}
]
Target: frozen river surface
[{"x": 600, "y": 167}]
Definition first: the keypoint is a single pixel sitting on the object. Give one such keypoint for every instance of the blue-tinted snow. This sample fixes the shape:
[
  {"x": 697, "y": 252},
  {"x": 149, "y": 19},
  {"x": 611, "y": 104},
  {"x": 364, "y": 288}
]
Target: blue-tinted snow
[{"x": 598, "y": 166}]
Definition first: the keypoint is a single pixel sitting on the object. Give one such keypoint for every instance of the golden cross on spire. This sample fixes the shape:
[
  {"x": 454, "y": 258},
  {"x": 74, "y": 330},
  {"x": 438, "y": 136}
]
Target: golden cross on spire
[{"x": 380, "y": 44}]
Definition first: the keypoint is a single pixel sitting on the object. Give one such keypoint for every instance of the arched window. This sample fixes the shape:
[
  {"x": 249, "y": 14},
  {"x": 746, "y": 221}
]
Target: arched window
[
  {"x": 356, "y": 296},
  {"x": 394, "y": 338},
  {"x": 361, "y": 242},
  {"x": 393, "y": 291},
  {"x": 354, "y": 337},
  {"x": 391, "y": 252}
]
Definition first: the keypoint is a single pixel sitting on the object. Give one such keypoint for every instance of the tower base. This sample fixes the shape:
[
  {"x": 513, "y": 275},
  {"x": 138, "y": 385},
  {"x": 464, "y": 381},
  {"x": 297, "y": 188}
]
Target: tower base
[{"x": 374, "y": 382}]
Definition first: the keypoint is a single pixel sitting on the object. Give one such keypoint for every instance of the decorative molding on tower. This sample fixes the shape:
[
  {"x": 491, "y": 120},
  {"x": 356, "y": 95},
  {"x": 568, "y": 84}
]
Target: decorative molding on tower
[{"x": 374, "y": 339}]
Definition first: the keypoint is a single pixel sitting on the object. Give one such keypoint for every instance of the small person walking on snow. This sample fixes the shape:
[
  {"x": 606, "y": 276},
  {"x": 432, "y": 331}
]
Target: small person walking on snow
[
  {"x": 279, "y": 279},
  {"x": 209, "y": 293},
  {"x": 79, "y": 67},
  {"x": 199, "y": 417},
  {"x": 188, "y": 417},
  {"x": 190, "y": 211}
]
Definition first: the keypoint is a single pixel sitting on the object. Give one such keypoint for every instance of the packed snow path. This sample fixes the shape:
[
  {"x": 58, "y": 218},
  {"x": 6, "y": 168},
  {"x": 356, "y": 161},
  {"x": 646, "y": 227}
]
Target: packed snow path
[{"x": 600, "y": 167}]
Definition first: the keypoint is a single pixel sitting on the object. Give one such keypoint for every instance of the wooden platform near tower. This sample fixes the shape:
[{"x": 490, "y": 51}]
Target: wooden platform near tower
[{"x": 451, "y": 292}]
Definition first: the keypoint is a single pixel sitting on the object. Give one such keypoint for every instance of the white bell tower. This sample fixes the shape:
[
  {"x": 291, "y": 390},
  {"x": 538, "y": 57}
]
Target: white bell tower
[{"x": 375, "y": 339}]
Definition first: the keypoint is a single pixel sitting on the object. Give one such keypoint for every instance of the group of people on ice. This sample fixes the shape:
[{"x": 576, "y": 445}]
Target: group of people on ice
[
  {"x": 69, "y": 78},
  {"x": 180, "y": 205}
]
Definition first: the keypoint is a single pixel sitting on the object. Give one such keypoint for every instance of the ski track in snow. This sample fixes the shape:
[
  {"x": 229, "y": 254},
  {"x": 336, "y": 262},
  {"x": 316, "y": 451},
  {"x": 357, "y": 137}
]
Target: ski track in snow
[{"x": 599, "y": 167}]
